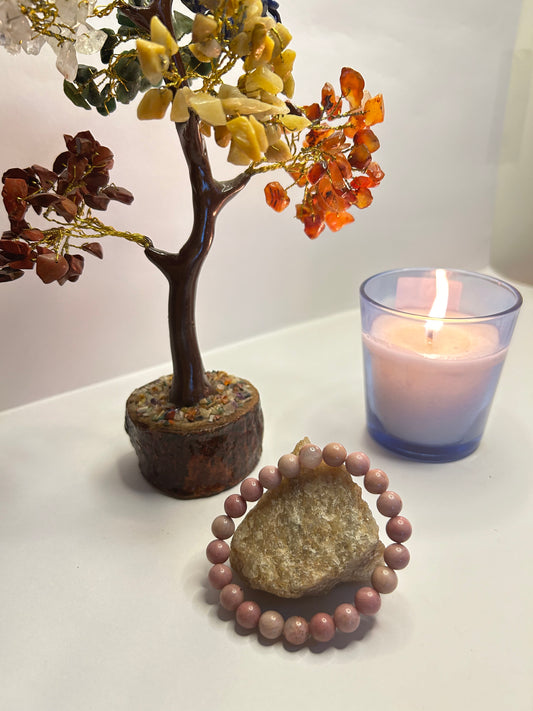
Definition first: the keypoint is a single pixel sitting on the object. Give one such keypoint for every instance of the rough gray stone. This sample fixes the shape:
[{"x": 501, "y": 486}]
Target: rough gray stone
[{"x": 308, "y": 535}]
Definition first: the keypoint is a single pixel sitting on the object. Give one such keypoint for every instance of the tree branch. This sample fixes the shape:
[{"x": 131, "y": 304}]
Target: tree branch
[
  {"x": 162, "y": 9},
  {"x": 142, "y": 15}
]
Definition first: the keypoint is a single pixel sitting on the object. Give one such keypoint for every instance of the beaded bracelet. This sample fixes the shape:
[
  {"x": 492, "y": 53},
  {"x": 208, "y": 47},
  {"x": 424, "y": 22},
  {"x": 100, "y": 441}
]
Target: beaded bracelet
[{"x": 322, "y": 626}]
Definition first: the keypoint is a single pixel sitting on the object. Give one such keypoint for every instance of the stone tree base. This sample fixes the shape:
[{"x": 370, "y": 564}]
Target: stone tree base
[{"x": 201, "y": 450}]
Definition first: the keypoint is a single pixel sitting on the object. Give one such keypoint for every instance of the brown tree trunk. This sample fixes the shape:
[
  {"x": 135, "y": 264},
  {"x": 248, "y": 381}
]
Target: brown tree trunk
[
  {"x": 182, "y": 269},
  {"x": 200, "y": 458}
]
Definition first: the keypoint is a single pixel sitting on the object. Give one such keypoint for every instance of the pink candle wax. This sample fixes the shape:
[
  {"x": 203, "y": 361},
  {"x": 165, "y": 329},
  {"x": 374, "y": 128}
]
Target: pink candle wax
[{"x": 432, "y": 387}]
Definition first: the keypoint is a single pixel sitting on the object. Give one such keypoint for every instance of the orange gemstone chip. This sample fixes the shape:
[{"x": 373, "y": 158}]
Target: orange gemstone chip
[{"x": 276, "y": 196}]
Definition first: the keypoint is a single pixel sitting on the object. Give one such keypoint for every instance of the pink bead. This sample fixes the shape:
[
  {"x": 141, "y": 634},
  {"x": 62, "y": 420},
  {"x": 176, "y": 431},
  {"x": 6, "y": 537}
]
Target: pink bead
[
  {"x": 235, "y": 506},
  {"x": 396, "y": 556},
  {"x": 296, "y": 630},
  {"x": 220, "y": 575},
  {"x": 231, "y": 597},
  {"x": 223, "y": 527},
  {"x": 346, "y": 618},
  {"x": 251, "y": 489},
  {"x": 376, "y": 481},
  {"x": 270, "y": 477},
  {"x": 217, "y": 551},
  {"x": 398, "y": 529},
  {"x": 271, "y": 624},
  {"x": 322, "y": 627},
  {"x": 367, "y": 601},
  {"x": 248, "y": 614},
  {"x": 389, "y": 504},
  {"x": 384, "y": 579},
  {"x": 289, "y": 465},
  {"x": 310, "y": 456},
  {"x": 357, "y": 463},
  {"x": 334, "y": 454}
]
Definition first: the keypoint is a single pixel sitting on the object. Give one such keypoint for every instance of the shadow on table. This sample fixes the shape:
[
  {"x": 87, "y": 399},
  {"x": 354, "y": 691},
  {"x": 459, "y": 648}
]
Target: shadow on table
[
  {"x": 305, "y": 607},
  {"x": 130, "y": 475}
]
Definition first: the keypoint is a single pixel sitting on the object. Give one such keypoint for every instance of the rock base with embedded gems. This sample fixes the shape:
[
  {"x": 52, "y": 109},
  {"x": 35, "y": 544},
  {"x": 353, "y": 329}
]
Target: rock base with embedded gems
[{"x": 201, "y": 450}]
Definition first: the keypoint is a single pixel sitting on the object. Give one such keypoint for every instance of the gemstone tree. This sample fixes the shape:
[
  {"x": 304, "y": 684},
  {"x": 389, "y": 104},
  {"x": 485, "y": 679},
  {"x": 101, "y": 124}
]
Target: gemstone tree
[{"x": 185, "y": 66}]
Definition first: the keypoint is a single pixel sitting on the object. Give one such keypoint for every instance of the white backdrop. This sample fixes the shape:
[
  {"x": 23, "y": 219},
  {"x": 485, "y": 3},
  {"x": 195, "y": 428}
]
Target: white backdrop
[
  {"x": 444, "y": 71},
  {"x": 512, "y": 238}
]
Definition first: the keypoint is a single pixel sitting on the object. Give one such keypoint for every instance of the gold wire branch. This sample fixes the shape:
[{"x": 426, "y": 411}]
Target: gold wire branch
[
  {"x": 91, "y": 227},
  {"x": 45, "y": 19},
  {"x": 104, "y": 10},
  {"x": 85, "y": 227}
]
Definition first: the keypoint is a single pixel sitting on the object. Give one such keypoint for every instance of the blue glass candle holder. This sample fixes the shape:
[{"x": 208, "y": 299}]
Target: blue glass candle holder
[{"x": 434, "y": 344}]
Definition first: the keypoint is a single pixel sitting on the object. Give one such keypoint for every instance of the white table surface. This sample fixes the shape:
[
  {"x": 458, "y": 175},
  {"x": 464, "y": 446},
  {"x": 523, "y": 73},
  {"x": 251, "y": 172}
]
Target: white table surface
[{"x": 104, "y": 604}]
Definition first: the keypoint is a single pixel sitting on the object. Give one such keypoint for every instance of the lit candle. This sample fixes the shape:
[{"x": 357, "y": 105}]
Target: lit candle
[{"x": 430, "y": 373}]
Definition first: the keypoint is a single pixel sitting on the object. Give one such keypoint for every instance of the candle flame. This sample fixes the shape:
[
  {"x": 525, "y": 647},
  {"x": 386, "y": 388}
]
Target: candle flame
[{"x": 438, "y": 309}]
